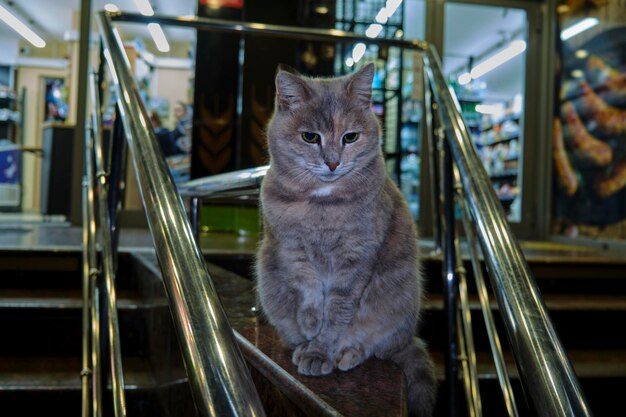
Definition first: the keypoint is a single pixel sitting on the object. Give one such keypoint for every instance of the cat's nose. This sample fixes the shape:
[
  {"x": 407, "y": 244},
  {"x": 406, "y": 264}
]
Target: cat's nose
[{"x": 332, "y": 165}]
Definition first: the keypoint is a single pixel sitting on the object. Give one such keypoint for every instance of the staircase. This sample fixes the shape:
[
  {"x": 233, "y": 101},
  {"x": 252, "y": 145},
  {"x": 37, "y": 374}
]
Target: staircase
[
  {"x": 41, "y": 350},
  {"x": 40, "y": 353}
]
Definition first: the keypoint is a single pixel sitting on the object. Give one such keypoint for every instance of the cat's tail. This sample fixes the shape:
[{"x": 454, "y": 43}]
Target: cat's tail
[{"x": 419, "y": 370}]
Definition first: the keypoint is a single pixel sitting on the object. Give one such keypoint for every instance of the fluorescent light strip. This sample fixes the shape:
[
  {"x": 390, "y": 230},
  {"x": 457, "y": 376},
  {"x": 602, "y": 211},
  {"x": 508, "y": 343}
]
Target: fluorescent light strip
[
  {"x": 358, "y": 52},
  {"x": 145, "y": 8},
  {"x": 159, "y": 37},
  {"x": 493, "y": 109},
  {"x": 513, "y": 50},
  {"x": 110, "y": 7},
  {"x": 579, "y": 27},
  {"x": 18, "y": 26},
  {"x": 465, "y": 78},
  {"x": 373, "y": 30}
]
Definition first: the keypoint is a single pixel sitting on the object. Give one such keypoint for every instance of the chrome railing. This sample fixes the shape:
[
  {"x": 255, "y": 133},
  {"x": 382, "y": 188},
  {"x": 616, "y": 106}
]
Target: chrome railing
[
  {"x": 98, "y": 277},
  {"x": 220, "y": 383},
  {"x": 546, "y": 373}
]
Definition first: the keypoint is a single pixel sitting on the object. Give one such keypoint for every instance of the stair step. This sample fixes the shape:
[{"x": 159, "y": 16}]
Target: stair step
[
  {"x": 57, "y": 332},
  {"x": 587, "y": 364},
  {"x": 554, "y": 302},
  {"x": 65, "y": 299},
  {"x": 52, "y": 270},
  {"x": 52, "y": 373}
]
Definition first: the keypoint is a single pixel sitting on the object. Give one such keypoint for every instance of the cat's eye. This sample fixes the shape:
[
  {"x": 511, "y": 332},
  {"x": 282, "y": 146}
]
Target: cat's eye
[
  {"x": 310, "y": 137},
  {"x": 350, "y": 137}
]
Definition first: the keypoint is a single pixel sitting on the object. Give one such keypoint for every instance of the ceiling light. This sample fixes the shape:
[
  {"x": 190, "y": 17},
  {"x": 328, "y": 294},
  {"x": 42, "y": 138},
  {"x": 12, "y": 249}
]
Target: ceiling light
[
  {"x": 159, "y": 37},
  {"x": 492, "y": 109},
  {"x": 145, "y": 8},
  {"x": 110, "y": 7},
  {"x": 18, "y": 26},
  {"x": 349, "y": 61},
  {"x": 518, "y": 102},
  {"x": 358, "y": 52},
  {"x": 579, "y": 27},
  {"x": 465, "y": 78},
  {"x": 513, "y": 50},
  {"x": 386, "y": 12},
  {"x": 321, "y": 10},
  {"x": 373, "y": 30},
  {"x": 382, "y": 16},
  {"x": 581, "y": 54},
  {"x": 392, "y": 6}
]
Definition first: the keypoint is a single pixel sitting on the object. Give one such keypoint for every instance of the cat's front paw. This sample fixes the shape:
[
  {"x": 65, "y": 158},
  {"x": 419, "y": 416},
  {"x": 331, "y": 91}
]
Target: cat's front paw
[
  {"x": 310, "y": 322},
  {"x": 311, "y": 361},
  {"x": 350, "y": 357}
]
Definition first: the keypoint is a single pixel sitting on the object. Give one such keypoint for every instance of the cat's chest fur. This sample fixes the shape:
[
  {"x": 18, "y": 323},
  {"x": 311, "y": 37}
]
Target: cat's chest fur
[{"x": 325, "y": 226}]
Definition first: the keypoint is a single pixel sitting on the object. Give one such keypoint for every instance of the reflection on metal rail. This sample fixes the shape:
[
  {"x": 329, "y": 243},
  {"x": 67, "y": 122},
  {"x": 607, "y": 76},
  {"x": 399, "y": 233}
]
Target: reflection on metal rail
[
  {"x": 545, "y": 370},
  {"x": 220, "y": 382},
  {"x": 546, "y": 373}
]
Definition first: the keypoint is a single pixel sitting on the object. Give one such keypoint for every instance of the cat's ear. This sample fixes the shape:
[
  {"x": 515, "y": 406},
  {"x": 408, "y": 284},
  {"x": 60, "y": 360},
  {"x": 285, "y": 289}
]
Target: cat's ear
[
  {"x": 291, "y": 89},
  {"x": 360, "y": 84}
]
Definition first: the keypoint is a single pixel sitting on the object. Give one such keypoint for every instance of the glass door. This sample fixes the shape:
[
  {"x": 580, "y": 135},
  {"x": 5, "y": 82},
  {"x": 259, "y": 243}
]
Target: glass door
[{"x": 485, "y": 61}]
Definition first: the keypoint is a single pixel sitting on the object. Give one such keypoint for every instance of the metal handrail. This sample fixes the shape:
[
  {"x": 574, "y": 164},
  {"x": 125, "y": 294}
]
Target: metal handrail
[
  {"x": 91, "y": 373},
  {"x": 108, "y": 271},
  {"x": 93, "y": 135},
  {"x": 481, "y": 289},
  {"x": 544, "y": 368},
  {"x": 220, "y": 381},
  {"x": 209, "y": 186},
  {"x": 88, "y": 252}
]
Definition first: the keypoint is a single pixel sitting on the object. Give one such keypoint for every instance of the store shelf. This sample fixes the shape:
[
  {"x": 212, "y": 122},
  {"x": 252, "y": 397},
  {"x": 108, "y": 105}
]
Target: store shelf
[
  {"x": 499, "y": 141},
  {"x": 507, "y": 198},
  {"x": 503, "y": 175}
]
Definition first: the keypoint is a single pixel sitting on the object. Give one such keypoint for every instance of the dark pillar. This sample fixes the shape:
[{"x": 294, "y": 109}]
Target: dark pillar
[{"x": 81, "y": 112}]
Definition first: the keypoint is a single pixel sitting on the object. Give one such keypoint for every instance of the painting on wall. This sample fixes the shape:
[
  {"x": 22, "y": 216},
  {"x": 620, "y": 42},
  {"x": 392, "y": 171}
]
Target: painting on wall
[{"x": 589, "y": 126}]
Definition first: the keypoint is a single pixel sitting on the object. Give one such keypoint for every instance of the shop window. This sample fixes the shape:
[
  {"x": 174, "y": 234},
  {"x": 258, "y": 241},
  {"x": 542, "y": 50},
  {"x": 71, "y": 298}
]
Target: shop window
[
  {"x": 589, "y": 135},
  {"x": 484, "y": 60}
]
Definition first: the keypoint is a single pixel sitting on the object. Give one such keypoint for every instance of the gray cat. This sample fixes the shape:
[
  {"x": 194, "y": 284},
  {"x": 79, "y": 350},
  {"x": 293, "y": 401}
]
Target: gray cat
[{"x": 337, "y": 269}]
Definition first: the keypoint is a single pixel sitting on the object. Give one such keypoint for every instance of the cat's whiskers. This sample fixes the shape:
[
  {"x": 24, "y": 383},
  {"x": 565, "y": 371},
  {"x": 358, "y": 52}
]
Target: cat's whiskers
[{"x": 298, "y": 174}]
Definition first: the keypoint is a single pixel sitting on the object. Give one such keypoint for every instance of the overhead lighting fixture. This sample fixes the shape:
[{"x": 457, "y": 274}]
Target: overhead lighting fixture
[
  {"x": 579, "y": 27},
  {"x": 510, "y": 52},
  {"x": 465, "y": 78},
  {"x": 373, "y": 30},
  {"x": 491, "y": 109},
  {"x": 358, "y": 52},
  {"x": 145, "y": 8},
  {"x": 21, "y": 28},
  {"x": 387, "y": 11},
  {"x": 159, "y": 37},
  {"x": 110, "y": 7},
  {"x": 350, "y": 62},
  {"x": 581, "y": 54},
  {"x": 382, "y": 16},
  {"x": 518, "y": 103}
]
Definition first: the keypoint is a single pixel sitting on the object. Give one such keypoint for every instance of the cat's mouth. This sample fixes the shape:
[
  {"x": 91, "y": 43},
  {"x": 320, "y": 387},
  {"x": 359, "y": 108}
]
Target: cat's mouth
[{"x": 332, "y": 176}]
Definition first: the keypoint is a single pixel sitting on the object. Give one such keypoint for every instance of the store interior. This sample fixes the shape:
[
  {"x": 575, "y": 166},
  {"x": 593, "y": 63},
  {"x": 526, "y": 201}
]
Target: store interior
[{"x": 485, "y": 54}]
